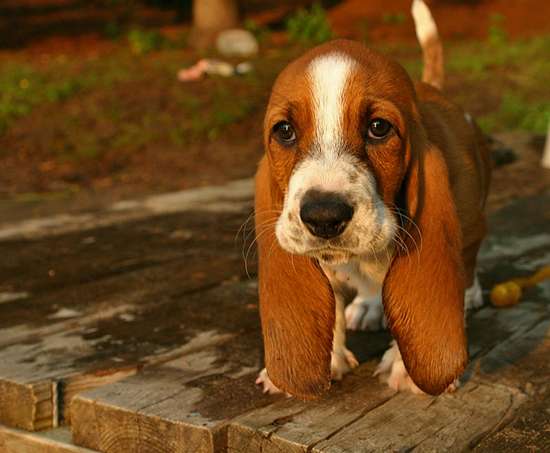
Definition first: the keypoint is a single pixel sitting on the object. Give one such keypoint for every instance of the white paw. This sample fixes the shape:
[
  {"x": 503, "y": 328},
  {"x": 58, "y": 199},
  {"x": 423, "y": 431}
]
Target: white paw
[
  {"x": 365, "y": 315},
  {"x": 473, "y": 297},
  {"x": 391, "y": 370},
  {"x": 342, "y": 362},
  {"x": 267, "y": 385}
]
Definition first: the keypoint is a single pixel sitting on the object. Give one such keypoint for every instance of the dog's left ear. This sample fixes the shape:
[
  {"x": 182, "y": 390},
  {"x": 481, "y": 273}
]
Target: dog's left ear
[
  {"x": 424, "y": 289},
  {"x": 296, "y": 303}
]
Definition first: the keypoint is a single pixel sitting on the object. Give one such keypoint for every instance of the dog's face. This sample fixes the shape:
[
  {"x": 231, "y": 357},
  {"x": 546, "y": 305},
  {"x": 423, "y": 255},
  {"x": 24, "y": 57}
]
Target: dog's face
[{"x": 335, "y": 132}]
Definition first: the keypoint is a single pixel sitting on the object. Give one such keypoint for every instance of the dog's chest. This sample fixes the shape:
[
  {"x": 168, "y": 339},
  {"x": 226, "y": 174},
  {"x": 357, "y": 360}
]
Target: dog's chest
[{"x": 364, "y": 276}]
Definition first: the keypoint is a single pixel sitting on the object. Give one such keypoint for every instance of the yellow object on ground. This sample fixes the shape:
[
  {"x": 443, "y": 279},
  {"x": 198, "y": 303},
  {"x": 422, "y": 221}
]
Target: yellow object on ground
[{"x": 509, "y": 293}]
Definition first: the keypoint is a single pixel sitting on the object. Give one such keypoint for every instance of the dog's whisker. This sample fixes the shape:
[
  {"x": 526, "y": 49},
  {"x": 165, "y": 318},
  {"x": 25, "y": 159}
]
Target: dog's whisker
[{"x": 266, "y": 228}]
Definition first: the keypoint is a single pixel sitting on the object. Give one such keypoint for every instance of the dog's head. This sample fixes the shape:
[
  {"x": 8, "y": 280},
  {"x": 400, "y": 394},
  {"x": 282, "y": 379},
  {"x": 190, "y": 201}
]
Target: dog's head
[
  {"x": 337, "y": 134},
  {"x": 349, "y": 173}
]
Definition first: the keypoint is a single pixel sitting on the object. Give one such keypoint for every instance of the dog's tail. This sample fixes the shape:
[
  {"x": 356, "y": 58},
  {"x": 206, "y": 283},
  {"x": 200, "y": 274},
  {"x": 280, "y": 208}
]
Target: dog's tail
[{"x": 432, "y": 50}]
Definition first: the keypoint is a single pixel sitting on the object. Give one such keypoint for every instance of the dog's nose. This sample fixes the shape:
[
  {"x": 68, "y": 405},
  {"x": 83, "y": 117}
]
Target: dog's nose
[{"x": 325, "y": 214}]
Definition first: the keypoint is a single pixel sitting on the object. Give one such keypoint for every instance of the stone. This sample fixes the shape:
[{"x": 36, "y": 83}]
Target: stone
[{"x": 237, "y": 43}]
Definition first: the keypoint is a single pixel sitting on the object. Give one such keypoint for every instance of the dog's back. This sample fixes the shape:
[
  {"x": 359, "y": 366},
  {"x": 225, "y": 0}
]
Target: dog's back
[{"x": 457, "y": 135}]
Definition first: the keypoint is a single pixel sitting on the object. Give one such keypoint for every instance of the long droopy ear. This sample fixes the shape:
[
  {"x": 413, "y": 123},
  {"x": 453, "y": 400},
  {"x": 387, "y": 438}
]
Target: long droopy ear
[
  {"x": 296, "y": 303},
  {"x": 424, "y": 289}
]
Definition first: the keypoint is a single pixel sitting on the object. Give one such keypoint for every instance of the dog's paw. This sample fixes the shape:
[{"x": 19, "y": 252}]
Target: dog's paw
[
  {"x": 365, "y": 315},
  {"x": 268, "y": 386},
  {"x": 392, "y": 371},
  {"x": 342, "y": 362}
]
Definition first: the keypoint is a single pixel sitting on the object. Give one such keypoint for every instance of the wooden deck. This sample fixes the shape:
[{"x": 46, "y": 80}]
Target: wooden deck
[{"x": 136, "y": 329}]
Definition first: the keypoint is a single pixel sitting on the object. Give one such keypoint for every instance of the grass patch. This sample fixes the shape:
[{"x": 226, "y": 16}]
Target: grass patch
[
  {"x": 148, "y": 108},
  {"x": 496, "y": 34},
  {"x": 260, "y": 33},
  {"x": 144, "y": 41},
  {"x": 479, "y": 59},
  {"x": 309, "y": 27},
  {"x": 24, "y": 86},
  {"x": 125, "y": 103},
  {"x": 517, "y": 113},
  {"x": 503, "y": 82},
  {"x": 394, "y": 18},
  {"x": 515, "y": 73}
]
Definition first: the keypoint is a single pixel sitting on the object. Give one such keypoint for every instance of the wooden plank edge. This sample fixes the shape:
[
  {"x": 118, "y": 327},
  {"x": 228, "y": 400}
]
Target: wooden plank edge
[
  {"x": 73, "y": 385},
  {"x": 46, "y": 404},
  {"x": 130, "y": 429},
  {"x": 14, "y": 440},
  {"x": 29, "y": 406}
]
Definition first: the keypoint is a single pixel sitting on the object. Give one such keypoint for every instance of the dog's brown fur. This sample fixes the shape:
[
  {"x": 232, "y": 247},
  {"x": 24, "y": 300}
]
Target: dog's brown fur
[{"x": 435, "y": 169}]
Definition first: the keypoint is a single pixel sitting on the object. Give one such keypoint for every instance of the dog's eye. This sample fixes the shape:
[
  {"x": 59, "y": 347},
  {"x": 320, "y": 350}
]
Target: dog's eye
[
  {"x": 284, "y": 133},
  {"x": 379, "y": 128}
]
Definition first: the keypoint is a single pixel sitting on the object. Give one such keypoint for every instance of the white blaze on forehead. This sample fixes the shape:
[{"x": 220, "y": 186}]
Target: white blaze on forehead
[{"x": 329, "y": 76}]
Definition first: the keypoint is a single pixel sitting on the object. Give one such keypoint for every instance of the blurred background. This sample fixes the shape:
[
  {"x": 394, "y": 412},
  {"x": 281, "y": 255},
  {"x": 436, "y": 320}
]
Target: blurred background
[{"x": 93, "y": 106}]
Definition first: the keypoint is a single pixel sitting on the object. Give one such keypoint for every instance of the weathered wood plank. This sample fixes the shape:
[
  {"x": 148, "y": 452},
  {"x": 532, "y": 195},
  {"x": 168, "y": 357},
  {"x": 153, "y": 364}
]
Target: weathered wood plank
[
  {"x": 29, "y": 406},
  {"x": 86, "y": 325},
  {"x": 457, "y": 422},
  {"x": 454, "y": 422},
  {"x": 34, "y": 268},
  {"x": 295, "y": 426},
  {"x": 116, "y": 297},
  {"x": 54, "y": 441},
  {"x": 41, "y": 376},
  {"x": 231, "y": 197},
  {"x": 176, "y": 408},
  {"x": 522, "y": 360},
  {"x": 448, "y": 422}
]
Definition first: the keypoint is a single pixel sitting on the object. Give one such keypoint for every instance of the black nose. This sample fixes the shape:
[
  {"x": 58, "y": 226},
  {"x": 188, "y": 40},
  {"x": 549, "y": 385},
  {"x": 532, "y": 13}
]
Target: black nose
[{"x": 325, "y": 214}]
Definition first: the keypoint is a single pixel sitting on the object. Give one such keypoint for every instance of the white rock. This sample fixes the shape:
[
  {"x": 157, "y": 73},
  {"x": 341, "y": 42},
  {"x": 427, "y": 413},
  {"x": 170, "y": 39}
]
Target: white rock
[
  {"x": 244, "y": 68},
  {"x": 237, "y": 43},
  {"x": 218, "y": 67}
]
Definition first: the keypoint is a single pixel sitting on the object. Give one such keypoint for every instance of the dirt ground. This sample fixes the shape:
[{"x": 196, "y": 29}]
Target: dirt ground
[
  {"x": 456, "y": 19},
  {"x": 33, "y": 150}
]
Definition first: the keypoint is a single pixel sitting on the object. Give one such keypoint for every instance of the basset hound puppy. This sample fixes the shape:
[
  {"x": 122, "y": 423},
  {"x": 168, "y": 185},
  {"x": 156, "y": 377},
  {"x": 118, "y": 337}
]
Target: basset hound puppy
[{"x": 372, "y": 182}]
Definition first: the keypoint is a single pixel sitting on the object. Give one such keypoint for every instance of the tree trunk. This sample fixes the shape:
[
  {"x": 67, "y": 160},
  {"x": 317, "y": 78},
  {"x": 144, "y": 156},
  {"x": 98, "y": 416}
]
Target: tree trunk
[{"x": 210, "y": 17}]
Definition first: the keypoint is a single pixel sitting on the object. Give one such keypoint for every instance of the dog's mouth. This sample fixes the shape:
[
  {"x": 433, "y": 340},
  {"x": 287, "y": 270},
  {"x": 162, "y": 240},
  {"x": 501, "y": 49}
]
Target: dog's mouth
[
  {"x": 330, "y": 255},
  {"x": 338, "y": 254}
]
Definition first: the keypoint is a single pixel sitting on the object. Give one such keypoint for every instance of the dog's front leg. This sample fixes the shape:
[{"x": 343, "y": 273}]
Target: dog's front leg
[{"x": 342, "y": 360}]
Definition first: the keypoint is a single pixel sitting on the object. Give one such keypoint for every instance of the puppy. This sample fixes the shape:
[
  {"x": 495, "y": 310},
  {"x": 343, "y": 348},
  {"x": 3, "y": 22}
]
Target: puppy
[{"x": 372, "y": 182}]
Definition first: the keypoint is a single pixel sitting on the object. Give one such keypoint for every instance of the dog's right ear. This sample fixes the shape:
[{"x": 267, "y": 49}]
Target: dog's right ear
[{"x": 297, "y": 304}]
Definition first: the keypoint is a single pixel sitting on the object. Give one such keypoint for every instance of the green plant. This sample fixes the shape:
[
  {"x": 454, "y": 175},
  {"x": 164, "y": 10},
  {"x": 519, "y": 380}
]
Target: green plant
[
  {"x": 17, "y": 93},
  {"x": 144, "y": 41},
  {"x": 393, "y": 18},
  {"x": 261, "y": 33},
  {"x": 517, "y": 113},
  {"x": 497, "y": 34},
  {"x": 24, "y": 86},
  {"x": 309, "y": 27}
]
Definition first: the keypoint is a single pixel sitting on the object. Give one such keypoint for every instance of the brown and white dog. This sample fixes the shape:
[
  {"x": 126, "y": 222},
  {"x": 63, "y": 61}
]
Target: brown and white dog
[{"x": 376, "y": 183}]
